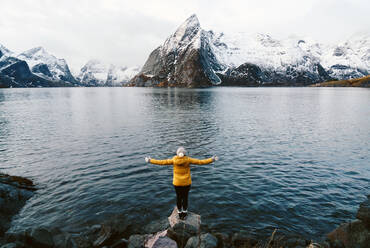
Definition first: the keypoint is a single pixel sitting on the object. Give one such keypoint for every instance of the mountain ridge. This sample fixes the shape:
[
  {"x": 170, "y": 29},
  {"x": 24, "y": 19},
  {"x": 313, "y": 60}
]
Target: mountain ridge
[
  {"x": 242, "y": 59},
  {"x": 194, "y": 57},
  {"x": 36, "y": 67}
]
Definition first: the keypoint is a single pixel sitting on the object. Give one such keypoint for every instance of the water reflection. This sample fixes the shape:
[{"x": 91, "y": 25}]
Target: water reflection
[{"x": 184, "y": 118}]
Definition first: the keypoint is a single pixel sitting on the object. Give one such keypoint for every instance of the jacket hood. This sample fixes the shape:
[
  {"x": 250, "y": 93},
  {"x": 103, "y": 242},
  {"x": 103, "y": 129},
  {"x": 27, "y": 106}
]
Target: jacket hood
[{"x": 180, "y": 160}]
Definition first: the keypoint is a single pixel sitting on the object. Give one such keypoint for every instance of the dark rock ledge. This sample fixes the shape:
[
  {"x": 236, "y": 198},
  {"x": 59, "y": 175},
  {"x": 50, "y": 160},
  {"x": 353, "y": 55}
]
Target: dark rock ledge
[
  {"x": 172, "y": 232},
  {"x": 355, "y": 233},
  {"x": 14, "y": 192}
]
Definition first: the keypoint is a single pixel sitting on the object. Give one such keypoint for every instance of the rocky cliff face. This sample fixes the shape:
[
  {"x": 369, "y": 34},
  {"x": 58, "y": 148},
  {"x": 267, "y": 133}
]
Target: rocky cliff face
[
  {"x": 193, "y": 57},
  {"x": 184, "y": 60}
]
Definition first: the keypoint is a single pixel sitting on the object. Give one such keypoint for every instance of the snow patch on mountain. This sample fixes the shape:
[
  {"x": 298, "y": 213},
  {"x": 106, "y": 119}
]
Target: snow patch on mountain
[
  {"x": 57, "y": 67},
  {"x": 188, "y": 34},
  {"x": 98, "y": 73},
  {"x": 4, "y": 51},
  {"x": 346, "y": 60}
]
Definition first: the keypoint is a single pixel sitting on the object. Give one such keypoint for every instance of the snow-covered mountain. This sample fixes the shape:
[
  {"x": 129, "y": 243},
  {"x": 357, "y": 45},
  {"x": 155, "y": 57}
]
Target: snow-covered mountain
[
  {"x": 97, "y": 73},
  {"x": 183, "y": 60},
  {"x": 193, "y": 57},
  {"x": 15, "y": 72},
  {"x": 47, "y": 65},
  {"x": 38, "y": 68}
]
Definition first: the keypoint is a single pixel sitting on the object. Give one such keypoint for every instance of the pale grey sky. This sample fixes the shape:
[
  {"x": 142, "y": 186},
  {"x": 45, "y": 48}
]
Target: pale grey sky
[{"x": 125, "y": 32}]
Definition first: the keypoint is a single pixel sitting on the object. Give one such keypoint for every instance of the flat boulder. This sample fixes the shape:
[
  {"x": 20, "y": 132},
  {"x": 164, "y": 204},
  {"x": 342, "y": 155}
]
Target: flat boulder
[
  {"x": 182, "y": 230},
  {"x": 363, "y": 212},
  {"x": 352, "y": 234}
]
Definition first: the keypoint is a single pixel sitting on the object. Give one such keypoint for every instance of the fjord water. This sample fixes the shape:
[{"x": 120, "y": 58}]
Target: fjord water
[{"x": 296, "y": 159}]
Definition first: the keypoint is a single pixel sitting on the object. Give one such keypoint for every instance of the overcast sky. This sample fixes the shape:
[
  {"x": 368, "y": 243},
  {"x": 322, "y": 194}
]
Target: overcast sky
[{"x": 125, "y": 32}]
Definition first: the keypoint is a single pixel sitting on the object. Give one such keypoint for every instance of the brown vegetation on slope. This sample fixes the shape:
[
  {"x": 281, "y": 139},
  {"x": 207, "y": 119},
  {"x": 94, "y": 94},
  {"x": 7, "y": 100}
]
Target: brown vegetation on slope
[{"x": 355, "y": 82}]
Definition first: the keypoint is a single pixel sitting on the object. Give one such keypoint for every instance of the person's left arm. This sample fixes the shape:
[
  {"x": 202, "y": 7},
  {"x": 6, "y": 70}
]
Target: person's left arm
[{"x": 159, "y": 162}]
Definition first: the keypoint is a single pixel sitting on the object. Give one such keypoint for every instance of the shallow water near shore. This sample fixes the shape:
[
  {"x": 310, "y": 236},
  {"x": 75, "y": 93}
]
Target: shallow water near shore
[{"x": 296, "y": 159}]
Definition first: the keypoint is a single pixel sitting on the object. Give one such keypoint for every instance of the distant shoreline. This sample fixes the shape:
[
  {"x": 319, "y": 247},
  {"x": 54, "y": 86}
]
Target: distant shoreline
[{"x": 363, "y": 82}]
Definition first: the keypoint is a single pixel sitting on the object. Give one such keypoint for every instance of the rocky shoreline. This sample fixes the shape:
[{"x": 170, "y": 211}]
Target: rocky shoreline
[{"x": 169, "y": 232}]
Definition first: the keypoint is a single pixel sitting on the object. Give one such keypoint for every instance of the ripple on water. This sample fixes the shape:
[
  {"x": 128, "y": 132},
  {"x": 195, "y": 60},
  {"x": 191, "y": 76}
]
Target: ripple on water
[{"x": 288, "y": 160}]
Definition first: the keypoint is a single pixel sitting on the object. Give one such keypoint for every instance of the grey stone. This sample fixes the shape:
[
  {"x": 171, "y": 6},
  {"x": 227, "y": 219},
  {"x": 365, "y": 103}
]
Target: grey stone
[
  {"x": 137, "y": 241},
  {"x": 208, "y": 241},
  {"x": 192, "y": 242},
  {"x": 203, "y": 241},
  {"x": 164, "y": 242}
]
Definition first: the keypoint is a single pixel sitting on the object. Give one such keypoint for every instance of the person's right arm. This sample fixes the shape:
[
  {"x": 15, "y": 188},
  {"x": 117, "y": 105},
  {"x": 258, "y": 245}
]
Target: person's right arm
[{"x": 159, "y": 162}]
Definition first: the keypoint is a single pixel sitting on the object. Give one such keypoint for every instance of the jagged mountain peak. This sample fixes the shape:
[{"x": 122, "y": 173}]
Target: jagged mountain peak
[
  {"x": 185, "y": 59},
  {"x": 4, "y": 51},
  {"x": 187, "y": 32},
  {"x": 38, "y": 53},
  {"x": 189, "y": 23},
  {"x": 38, "y": 49}
]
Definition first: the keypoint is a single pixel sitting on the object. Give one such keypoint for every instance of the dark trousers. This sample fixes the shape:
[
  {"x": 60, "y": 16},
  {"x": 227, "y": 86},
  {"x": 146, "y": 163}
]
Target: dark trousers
[{"x": 182, "y": 193}]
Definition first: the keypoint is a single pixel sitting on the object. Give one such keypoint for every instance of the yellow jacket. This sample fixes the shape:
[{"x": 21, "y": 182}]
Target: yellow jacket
[{"x": 181, "y": 168}]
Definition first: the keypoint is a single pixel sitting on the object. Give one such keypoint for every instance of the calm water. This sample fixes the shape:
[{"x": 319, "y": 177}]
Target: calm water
[{"x": 292, "y": 158}]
